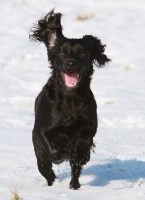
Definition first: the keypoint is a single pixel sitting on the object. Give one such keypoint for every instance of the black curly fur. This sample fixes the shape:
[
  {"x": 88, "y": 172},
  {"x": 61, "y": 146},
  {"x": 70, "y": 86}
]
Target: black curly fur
[
  {"x": 97, "y": 50},
  {"x": 42, "y": 30},
  {"x": 65, "y": 116}
]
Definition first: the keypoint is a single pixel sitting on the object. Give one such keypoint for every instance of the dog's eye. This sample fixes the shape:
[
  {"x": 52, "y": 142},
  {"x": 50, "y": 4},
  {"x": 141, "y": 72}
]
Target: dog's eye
[
  {"x": 82, "y": 54},
  {"x": 62, "y": 54}
]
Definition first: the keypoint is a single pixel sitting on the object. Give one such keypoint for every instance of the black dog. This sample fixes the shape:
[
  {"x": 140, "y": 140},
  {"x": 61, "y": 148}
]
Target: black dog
[{"x": 65, "y": 109}]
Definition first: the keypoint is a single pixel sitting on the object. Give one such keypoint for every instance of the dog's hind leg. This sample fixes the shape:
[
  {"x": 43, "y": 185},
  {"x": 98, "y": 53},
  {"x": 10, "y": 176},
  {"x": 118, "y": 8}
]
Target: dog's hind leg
[{"x": 45, "y": 168}]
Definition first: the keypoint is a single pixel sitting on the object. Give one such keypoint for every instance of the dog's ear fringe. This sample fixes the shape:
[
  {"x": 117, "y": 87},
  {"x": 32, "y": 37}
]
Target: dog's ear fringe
[
  {"x": 97, "y": 49},
  {"x": 41, "y": 31}
]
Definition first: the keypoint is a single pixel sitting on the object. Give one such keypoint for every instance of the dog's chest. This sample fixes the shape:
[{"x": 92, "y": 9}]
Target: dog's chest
[{"x": 68, "y": 112}]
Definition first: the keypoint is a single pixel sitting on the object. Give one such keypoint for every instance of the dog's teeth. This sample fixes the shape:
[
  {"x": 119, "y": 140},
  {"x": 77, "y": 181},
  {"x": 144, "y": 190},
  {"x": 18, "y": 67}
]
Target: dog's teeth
[{"x": 78, "y": 75}]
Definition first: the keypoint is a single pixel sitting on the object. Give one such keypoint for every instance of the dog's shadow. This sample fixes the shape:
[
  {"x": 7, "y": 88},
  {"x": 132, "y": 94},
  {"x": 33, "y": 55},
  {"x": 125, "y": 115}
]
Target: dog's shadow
[{"x": 102, "y": 174}]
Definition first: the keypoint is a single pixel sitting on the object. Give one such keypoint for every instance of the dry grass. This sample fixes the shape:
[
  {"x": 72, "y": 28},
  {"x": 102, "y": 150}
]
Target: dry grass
[
  {"x": 15, "y": 195},
  {"x": 127, "y": 67},
  {"x": 85, "y": 16}
]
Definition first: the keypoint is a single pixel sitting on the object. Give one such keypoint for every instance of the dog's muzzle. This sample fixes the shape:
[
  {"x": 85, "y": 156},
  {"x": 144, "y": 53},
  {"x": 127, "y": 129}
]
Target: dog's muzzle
[
  {"x": 70, "y": 66},
  {"x": 71, "y": 80},
  {"x": 70, "y": 77}
]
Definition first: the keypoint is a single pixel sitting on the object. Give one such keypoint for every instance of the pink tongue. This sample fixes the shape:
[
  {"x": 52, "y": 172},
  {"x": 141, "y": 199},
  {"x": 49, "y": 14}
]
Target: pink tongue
[{"x": 71, "y": 78}]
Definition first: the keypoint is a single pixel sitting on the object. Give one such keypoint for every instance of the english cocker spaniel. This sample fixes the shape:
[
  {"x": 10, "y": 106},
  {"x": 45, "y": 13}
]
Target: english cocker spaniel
[{"x": 65, "y": 110}]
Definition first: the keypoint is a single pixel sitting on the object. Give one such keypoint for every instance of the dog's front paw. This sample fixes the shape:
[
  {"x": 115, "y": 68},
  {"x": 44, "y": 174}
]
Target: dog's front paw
[
  {"x": 74, "y": 184},
  {"x": 50, "y": 183},
  {"x": 51, "y": 178}
]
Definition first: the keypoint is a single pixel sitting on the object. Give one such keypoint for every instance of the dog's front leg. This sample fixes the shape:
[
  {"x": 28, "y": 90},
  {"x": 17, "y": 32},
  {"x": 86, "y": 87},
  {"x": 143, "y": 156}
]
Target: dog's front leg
[
  {"x": 43, "y": 157},
  {"x": 75, "y": 172},
  {"x": 81, "y": 155}
]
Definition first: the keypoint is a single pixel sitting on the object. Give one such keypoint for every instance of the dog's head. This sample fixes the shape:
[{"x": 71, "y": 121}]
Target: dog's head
[{"x": 71, "y": 59}]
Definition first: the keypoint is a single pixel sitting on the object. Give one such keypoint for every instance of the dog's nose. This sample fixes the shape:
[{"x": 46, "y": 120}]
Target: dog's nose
[{"x": 70, "y": 65}]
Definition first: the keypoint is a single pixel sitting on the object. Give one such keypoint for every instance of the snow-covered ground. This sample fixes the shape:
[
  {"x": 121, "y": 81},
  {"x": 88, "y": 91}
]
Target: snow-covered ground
[{"x": 117, "y": 168}]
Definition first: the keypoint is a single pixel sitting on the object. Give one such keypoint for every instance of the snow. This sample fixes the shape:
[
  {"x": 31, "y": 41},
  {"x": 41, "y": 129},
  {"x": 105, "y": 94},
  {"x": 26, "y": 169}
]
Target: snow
[{"x": 116, "y": 170}]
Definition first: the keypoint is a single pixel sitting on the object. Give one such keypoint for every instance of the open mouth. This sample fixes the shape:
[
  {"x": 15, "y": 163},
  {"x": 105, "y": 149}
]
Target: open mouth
[{"x": 71, "y": 80}]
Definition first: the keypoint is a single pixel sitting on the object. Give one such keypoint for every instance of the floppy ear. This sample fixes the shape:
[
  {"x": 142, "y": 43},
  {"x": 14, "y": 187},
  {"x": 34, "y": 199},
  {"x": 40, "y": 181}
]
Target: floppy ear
[
  {"x": 97, "y": 50},
  {"x": 47, "y": 30}
]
